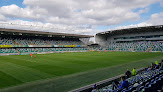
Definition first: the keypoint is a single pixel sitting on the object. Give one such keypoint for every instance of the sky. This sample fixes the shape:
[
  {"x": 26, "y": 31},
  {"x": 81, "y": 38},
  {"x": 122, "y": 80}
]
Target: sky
[{"x": 80, "y": 16}]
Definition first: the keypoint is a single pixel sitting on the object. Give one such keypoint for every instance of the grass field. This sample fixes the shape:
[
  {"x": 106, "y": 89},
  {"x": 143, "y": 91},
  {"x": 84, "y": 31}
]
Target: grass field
[{"x": 61, "y": 72}]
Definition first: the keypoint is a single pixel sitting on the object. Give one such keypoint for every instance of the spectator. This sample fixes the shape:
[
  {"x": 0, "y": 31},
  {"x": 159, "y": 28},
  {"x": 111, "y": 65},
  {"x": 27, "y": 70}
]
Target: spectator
[
  {"x": 149, "y": 68},
  {"x": 128, "y": 73},
  {"x": 94, "y": 90},
  {"x": 124, "y": 84},
  {"x": 95, "y": 86},
  {"x": 156, "y": 62},
  {"x": 158, "y": 66},
  {"x": 152, "y": 64},
  {"x": 134, "y": 72}
]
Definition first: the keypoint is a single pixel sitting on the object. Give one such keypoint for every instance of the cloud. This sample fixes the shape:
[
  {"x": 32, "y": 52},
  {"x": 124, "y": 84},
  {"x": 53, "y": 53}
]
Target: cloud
[
  {"x": 48, "y": 27},
  {"x": 78, "y": 12},
  {"x": 144, "y": 10},
  {"x": 143, "y": 24},
  {"x": 155, "y": 19},
  {"x": 2, "y": 18},
  {"x": 59, "y": 8},
  {"x": 14, "y": 11}
]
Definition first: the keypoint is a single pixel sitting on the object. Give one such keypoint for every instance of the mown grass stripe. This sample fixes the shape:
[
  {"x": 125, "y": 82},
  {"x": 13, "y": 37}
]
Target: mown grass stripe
[
  {"x": 66, "y": 83},
  {"x": 70, "y": 70},
  {"x": 7, "y": 80},
  {"x": 21, "y": 73}
]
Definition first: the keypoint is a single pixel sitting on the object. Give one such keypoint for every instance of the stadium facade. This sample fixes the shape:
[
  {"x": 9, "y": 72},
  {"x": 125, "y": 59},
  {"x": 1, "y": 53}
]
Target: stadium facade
[{"x": 148, "y": 38}]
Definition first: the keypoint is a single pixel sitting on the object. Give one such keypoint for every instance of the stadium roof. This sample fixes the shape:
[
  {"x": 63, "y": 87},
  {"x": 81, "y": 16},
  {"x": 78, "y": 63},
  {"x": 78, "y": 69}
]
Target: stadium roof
[
  {"x": 133, "y": 30},
  {"x": 39, "y": 33}
]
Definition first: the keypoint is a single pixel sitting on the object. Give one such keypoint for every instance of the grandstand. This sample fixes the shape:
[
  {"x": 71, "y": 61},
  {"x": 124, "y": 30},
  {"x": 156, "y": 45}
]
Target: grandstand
[
  {"x": 145, "y": 81},
  {"x": 141, "y": 39},
  {"x": 15, "y": 41}
]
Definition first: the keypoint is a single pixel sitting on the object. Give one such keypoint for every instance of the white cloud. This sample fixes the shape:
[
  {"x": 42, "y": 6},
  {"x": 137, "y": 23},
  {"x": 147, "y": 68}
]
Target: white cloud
[
  {"x": 2, "y": 18},
  {"x": 144, "y": 10},
  {"x": 13, "y": 11},
  {"x": 143, "y": 24},
  {"x": 48, "y": 27},
  {"x": 155, "y": 19},
  {"x": 78, "y": 12}
]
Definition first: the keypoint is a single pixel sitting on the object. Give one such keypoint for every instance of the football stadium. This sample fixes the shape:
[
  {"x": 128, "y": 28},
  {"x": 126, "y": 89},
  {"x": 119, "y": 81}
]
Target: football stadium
[
  {"x": 81, "y": 45},
  {"x": 33, "y": 61}
]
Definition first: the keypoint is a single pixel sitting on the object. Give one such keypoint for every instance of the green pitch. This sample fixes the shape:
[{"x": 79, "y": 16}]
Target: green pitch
[{"x": 67, "y": 71}]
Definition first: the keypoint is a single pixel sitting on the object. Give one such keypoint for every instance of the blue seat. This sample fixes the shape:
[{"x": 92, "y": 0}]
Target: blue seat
[
  {"x": 139, "y": 90},
  {"x": 125, "y": 90},
  {"x": 133, "y": 88},
  {"x": 146, "y": 85},
  {"x": 160, "y": 76},
  {"x": 152, "y": 81},
  {"x": 147, "y": 89},
  {"x": 118, "y": 90}
]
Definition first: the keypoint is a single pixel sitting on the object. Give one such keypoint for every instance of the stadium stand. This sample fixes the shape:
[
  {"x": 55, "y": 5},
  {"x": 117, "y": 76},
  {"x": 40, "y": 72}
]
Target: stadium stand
[
  {"x": 34, "y": 50},
  {"x": 146, "y": 81},
  {"x": 36, "y": 41},
  {"x": 39, "y": 50},
  {"x": 117, "y": 40},
  {"x": 6, "y": 41},
  {"x": 8, "y": 51},
  {"x": 157, "y": 46},
  {"x": 144, "y": 39},
  {"x": 143, "y": 46},
  {"x": 15, "y": 41}
]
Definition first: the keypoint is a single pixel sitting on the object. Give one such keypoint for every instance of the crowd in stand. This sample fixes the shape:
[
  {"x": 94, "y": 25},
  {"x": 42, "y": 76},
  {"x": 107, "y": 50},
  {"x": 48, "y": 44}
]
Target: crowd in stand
[{"x": 149, "y": 80}]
